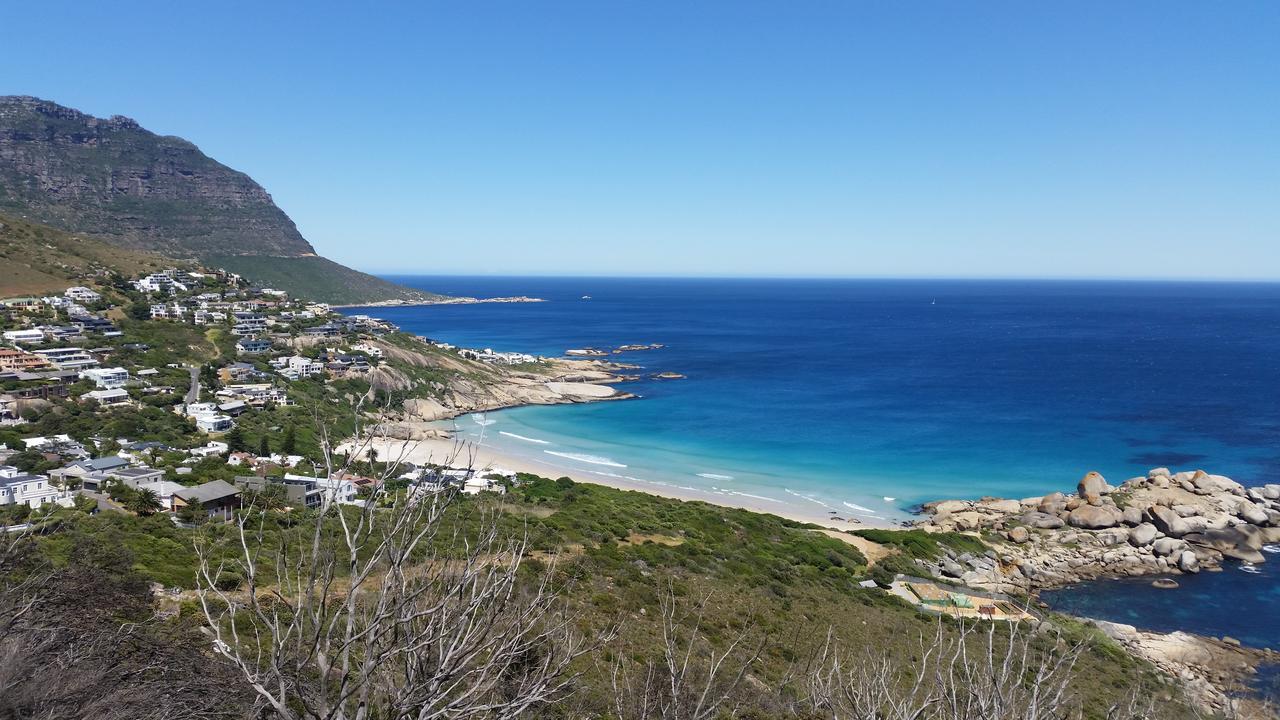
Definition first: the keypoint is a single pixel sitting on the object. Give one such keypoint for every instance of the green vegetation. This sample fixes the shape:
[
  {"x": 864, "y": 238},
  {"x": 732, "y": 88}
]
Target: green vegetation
[
  {"x": 315, "y": 278},
  {"x": 782, "y": 583}
]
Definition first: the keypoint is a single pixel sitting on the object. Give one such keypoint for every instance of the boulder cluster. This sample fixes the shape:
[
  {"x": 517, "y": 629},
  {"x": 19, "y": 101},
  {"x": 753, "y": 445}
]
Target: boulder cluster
[{"x": 1161, "y": 523}]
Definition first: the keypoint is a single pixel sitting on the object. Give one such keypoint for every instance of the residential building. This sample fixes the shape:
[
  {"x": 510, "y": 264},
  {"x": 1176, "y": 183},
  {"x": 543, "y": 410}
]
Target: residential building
[
  {"x": 248, "y": 324},
  {"x": 212, "y": 448},
  {"x": 95, "y": 324},
  {"x": 214, "y": 423},
  {"x": 62, "y": 333},
  {"x": 114, "y": 396},
  {"x": 159, "y": 283},
  {"x": 24, "y": 337},
  {"x": 61, "y": 445},
  {"x": 237, "y": 372},
  {"x": 82, "y": 294},
  {"x": 335, "y": 489},
  {"x": 298, "y": 491},
  {"x": 297, "y": 366},
  {"x": 19, "y": 488},
  {"x": 218, "y": 498},
  {"x": 253, "y": 347},
  {"x": 19, "y": 361},
  {"x": 368, "y": 349},
  {"x": 98, "y": 481},
  {"x": 164, "y": 491},
  {"x": 106, "y": 378},
  {"x": 70, "y": 358},
  {"x": 171, "y": 311},
  {"x": 76, "y": 471}
]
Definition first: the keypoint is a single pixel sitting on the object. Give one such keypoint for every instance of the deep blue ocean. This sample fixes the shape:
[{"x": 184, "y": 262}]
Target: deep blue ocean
[{"x": 867, "y": 397}]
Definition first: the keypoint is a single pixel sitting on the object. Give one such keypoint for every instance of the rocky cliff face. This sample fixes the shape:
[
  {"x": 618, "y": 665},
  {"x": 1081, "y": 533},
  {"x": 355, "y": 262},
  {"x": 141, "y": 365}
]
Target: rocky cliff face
[{"x": 112, "y": 178}]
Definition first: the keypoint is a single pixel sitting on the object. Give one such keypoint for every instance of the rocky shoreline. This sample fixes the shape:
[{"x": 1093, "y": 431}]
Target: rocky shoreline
[{"x": 1162, "y": 523}]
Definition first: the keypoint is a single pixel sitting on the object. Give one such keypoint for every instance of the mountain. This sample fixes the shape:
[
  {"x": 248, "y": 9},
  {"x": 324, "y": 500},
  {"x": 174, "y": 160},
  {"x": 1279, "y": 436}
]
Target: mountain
[
  {"x": 113, "y": 179},
  {"x": 39, "y": 260}
]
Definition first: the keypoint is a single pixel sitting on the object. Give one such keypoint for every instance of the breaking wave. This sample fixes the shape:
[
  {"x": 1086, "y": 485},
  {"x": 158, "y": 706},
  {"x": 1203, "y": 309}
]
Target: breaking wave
[
  {"x": 521, "y": 437},
  {"x": 590, "y": 459}
]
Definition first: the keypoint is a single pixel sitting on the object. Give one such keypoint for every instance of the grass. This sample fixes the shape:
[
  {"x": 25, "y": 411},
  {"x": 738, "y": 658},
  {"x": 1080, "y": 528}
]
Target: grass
[
  {"x": 315, "y": 278},
  {"x": 39, "y": 260}
]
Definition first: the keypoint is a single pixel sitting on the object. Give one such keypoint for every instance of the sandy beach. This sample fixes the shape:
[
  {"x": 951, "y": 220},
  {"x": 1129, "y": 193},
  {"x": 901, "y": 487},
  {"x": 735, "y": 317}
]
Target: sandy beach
[{"x": 449, "y": 452}]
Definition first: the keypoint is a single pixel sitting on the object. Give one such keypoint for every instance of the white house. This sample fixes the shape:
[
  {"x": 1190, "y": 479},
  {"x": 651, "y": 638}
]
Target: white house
[
  {"x": 476, "y": 484},
  {"x": 213, "y": 422},
  {"x": 159, "y": 283},
  {"x": 213, "y": 448},
  {"x": 297, "y": 366},
  {"x": 164, "y": 490},
  {"x": 82, "y": 294},
  {"x": 367, "y": 349},
  {"x": 336, "y": 490},
  {"x": 114, "y": 396},
  {"x": 18, "y": 488},
  {"x": 24, "y": 337},
  {"x": 106, "y": 378}
]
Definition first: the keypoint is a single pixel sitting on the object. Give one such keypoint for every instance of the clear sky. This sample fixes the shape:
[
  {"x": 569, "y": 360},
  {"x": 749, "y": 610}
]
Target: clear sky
[{"x": 1137, "y": 139}]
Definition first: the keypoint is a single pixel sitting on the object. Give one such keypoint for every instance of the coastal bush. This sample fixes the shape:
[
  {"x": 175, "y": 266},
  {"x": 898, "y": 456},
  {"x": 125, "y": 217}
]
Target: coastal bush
[{"x": 921, "y": 544}]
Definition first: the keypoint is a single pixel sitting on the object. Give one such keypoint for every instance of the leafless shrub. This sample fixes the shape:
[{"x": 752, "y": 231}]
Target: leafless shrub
[
  {"x": 396, "y": 609},
  {"x": 689, "y": 679},
  {"x": 976, "y": 671}
]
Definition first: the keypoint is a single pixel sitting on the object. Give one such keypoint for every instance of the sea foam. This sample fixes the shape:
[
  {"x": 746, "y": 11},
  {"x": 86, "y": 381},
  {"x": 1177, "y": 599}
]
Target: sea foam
[
  {"x": 522, "y": 437},
  {"x": 714, "y": 476},
  {"x": 590, "y": 459}
]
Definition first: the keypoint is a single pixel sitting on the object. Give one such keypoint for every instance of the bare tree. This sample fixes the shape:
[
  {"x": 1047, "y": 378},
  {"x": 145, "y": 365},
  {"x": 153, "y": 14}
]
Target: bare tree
[
  {"x": 401, "y": 608},
  {"x": 689, "y": 679},
  {"x": 978, "y": 671}
]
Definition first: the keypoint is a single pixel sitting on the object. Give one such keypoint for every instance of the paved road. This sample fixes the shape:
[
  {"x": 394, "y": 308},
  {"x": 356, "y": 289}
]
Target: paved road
[{"x": 193, "y": 395}]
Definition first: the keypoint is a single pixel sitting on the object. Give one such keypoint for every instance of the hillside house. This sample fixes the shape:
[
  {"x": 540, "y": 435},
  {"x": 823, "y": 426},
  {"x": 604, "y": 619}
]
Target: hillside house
[
  {"x": 19, "y": 488},
  {"x": 218, "y": 498}
]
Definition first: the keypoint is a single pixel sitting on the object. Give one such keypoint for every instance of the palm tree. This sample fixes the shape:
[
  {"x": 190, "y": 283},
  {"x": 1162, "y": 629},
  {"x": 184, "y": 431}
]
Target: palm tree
[{"x": 143, "y": 502}]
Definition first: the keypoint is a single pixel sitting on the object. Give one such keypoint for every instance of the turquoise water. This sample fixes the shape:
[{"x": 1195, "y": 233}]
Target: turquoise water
[{"x": 868, "y": 397}]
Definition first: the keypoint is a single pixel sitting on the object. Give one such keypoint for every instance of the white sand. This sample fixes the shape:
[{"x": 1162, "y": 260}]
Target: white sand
[{"x": 482, "y": 457}]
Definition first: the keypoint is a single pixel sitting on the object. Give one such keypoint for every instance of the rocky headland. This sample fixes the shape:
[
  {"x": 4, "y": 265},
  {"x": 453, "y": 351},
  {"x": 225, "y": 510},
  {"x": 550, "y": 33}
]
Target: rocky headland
[
  {"x": 1164, "y": 522},
  {"x": 447, "y": 385}
]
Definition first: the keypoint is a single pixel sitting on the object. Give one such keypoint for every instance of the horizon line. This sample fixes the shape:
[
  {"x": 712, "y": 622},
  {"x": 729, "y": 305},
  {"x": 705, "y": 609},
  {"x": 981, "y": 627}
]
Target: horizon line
[{"x": 900, "y": 278}]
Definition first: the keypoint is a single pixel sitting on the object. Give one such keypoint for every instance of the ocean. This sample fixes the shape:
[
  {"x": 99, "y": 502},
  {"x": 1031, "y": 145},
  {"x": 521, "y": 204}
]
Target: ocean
[{"x": 868, "y": 397}]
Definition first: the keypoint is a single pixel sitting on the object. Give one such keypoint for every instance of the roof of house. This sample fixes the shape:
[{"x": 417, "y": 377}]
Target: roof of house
[
  {"x": 19, "y": 479},
  {"x": 109, "y": 462},
  {"x": 162, "y": 487},
  {"x": 136, "y": 472},
  {"x": 208, "y": 492}
]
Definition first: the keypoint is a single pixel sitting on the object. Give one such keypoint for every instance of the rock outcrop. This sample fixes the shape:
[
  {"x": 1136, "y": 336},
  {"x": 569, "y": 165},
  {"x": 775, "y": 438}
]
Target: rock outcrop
[{"x": 1161, "y": 523}]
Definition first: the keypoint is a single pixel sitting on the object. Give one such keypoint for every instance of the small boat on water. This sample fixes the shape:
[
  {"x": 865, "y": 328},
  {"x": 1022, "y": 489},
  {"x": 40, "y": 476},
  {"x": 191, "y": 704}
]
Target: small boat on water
[{"x": 586, "y": 297}]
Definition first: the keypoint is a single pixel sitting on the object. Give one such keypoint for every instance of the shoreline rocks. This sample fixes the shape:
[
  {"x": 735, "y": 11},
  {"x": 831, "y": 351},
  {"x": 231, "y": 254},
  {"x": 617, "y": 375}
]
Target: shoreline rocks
[{"x": 1163, "y": 523}]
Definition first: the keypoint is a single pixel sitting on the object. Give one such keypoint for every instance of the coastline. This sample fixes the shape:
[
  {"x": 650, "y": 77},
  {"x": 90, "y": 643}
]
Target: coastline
[
  {"x": 447, "y": 451},
  {"x": 445, "y": 300}
]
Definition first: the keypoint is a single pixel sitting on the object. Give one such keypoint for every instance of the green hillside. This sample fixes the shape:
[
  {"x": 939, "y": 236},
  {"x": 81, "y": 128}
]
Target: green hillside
[{"x": 315, "y": 278}]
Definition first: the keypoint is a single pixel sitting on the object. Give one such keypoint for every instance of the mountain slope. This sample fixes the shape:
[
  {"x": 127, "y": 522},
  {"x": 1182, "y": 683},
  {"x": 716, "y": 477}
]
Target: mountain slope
[
  {"x": 38, "y": 259},
  {"x": 113, "y": 179}
]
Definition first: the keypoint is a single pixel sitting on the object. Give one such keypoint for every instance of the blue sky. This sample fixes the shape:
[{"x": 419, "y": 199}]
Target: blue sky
[{"x": 1094, "y": 139}]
